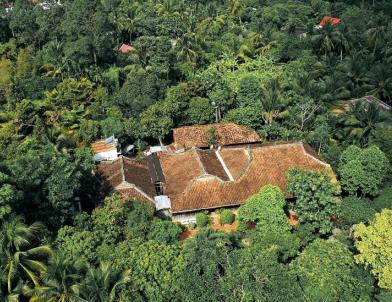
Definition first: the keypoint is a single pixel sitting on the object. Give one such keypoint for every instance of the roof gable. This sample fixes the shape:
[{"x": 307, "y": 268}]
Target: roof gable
[{"x": 225, "y": 134}]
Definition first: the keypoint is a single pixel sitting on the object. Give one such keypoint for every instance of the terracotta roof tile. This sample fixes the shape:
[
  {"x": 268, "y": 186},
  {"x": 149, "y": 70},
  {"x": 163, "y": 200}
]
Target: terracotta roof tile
[
  {"x": 190, "y": 189},
  {"x": 226, "y": 134},
  {"x": 102, "y": 146},
  {"x": 237, "y": 160},
  {"x": 133, "y": 194},
  {"x": 212, "y": 164},
  {"x": 123, "y": 173}
]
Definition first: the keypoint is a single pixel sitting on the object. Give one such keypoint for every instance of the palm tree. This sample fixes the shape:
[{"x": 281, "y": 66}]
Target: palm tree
[
  {"x": 62, "y": 281},
  {"x": 352, "y": 72},
  {"x": 100, "y": 284},
  {"x": 376, "y": 35},
  {"x": 358, "y": 124},
  {"x": 187, "y": 47},
  {"x": 23, "y": 258},
  {"x": 380, "y": 82},
  {"x": 273, "y": 102},
  {"x": 326, "y": 39}
]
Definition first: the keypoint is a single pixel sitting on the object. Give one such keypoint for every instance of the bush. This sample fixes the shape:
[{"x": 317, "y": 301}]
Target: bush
[
  {"x": 226, "y": 217},
  {"x": 202, "y": 219},
  {"x": 384, "y": 200},
  {"x": 355, "y": 210},
  {"x": 165, "y": 232},
  {"x": 192, "y": 225}
]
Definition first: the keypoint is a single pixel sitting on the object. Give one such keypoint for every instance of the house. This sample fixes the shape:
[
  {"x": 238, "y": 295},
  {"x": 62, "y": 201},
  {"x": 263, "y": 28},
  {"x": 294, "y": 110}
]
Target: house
[
  {"x": 220, "y": 134},
  {"x": 106, "y": 149},
  {"x": 329, "y": 20},
  {"x": 184, "y": 183},
  {"x": 125, "y": 48},
  {"x": 369, "y": 99}
]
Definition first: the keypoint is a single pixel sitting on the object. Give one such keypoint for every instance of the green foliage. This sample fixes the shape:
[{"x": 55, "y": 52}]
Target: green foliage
[
  {"x": 255, "y": 275},
  {"x": 23, "y": 258},
  {"x": 199, "y": 111},
  {"x": 164, "y": 232},
  {"x": 156, "y": 122},
  {"x": 338, "y": 279},
  {"x": 155, "y": 270},
  {"x": 226, "y": 216},
  {"x": 202, "y": 219},
  {"x": 204, "y": 259},
  {"x": 8, "y": 196},
  {"x": 362, "y": 170},
  {"x": 265, "y": 210},
  {"x": 355, "y": 210},
  {"x": 374, "y": 245},
  {"x": 315, "y": 198},
  {"x": 383, "y": 200},
  {"x": 64, "y": 83}
]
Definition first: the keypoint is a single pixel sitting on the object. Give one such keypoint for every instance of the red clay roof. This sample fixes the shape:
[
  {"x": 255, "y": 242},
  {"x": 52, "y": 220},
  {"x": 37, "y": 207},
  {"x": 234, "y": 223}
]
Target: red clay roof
[
  {"x": 130, "y": 178},
  {"x": 329, "y": 20},
  {"x": 125, "y": 48},
  {"x": 226, "y": 134},
  {"x": 102, "y": 146},
  {"x": 191, "y": 188}
]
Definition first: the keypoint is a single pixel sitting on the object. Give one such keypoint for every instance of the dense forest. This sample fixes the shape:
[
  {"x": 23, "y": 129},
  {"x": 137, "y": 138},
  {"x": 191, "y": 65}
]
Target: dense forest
[{"x": 265, "y": 64}]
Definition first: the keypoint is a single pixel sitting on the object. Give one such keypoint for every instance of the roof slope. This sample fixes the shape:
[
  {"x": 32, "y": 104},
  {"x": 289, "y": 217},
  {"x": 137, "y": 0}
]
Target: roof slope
[
  {"x": 372, "y": 100},
  {"x": 102, "y": 146},
  {"x": 129, "y": 177},
  {"x": 190, "y": 188},
  {"x": 226, "y": 134},
  {"x": 329, "y": 20}
]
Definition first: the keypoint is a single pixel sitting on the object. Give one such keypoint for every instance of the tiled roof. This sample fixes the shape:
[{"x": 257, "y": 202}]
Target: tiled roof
[
  {"x": 191, "y": 186},
  {"x": 102, "y": 146},
  {"x": 226, "y": 134},
  {"x": 128, "y": 176},
  {"x": 374, "y": 100}
]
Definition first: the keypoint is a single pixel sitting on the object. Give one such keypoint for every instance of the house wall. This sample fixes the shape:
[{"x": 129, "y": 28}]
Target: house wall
[
  {"x": 107, "y": 155},
  {"x": 187, "y": 218}
]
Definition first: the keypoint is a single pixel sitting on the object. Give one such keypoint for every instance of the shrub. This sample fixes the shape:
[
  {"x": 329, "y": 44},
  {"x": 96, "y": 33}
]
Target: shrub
[
  {"x": 384, "y": 200},
  {"x": 226, "y": 217},
  {"x": 202, "y": 219},
  {"x": 355, "y": 210},
  {"x": 165, "y": 232},
  {"x": 264, "y": 210},
  {"x": 192, "y": 225}
]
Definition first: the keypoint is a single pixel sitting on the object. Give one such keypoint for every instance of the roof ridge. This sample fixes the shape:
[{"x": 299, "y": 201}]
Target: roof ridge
[
  {"x": 313, "y": 157},
  {"x": 122, "y": 168}
]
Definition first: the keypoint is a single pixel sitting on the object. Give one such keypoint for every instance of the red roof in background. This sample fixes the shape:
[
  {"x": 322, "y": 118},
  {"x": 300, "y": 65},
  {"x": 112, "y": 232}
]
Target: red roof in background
[
  {"x": 329, "y": 20},
  {"x": 126, "y": 48}
]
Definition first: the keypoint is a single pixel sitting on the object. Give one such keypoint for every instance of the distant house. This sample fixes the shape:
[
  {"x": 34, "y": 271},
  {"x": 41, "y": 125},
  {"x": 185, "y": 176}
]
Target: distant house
[
  {"x": 329, "y": 20},
  {"x": 369, "y": 99},
  {"x": 182, "y": 184},
  {"x": 220, "y": 134},
  {"x": 125, "y": 48},
  {"x": 106, "y": 149}
]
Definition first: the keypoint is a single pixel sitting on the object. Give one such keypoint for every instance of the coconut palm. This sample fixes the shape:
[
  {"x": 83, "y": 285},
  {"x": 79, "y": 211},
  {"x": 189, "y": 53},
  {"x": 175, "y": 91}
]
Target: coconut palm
[
  {"x": 186, "y": 46},
  {"x": 380, "y": 82},
  {"x": 61, "y": 280},
  {"x": 376, "y": 34},
  {"x": 23, "y": 257},
  {"x": 100, "y": 284},
  {"x": 358, "y": 124},
  {"x": 326, "y": 40},
  {"x": 273, "y": 102}
]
